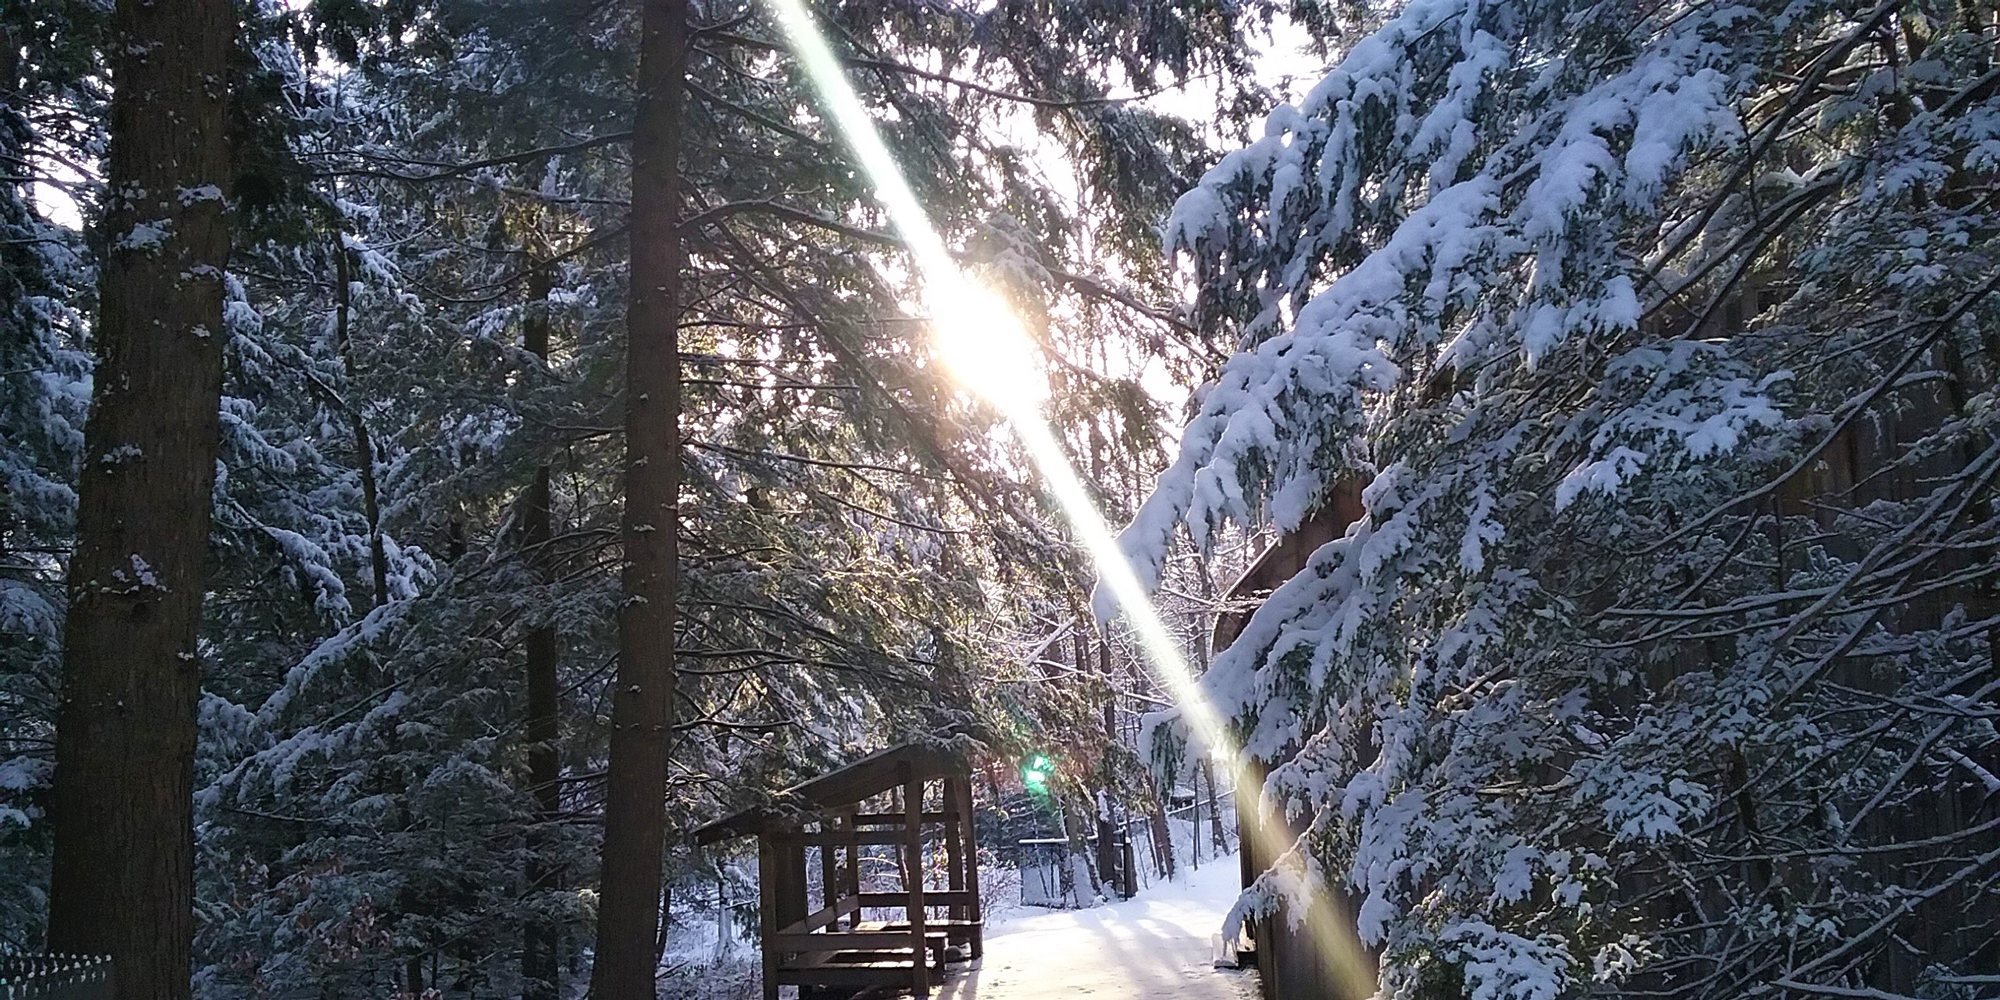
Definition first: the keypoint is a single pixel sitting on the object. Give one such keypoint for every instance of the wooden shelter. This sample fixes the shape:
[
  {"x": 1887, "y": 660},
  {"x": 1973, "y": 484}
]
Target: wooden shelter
[{"x": 905, "y": 799}]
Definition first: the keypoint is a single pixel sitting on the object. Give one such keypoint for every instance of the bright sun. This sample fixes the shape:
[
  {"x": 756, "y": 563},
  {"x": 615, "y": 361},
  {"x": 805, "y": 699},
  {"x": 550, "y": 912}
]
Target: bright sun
[{"x": 984, "y": 347}]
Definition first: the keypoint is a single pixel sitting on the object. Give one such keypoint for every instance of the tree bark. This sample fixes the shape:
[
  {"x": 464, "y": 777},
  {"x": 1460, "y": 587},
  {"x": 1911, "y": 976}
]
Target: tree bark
[
  {"x": 539, "y": 971},
  {"x": 122, "y": 882},
  {"x": 1215, "y": 833},
  {"x": 364, "y": 446},
  {"x": 635, "y": 785},
  {"x": 1107, "y": 832}
]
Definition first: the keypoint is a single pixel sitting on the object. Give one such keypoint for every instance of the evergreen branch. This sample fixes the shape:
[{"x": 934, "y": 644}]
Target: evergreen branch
[{"x": 448, "y": 171}]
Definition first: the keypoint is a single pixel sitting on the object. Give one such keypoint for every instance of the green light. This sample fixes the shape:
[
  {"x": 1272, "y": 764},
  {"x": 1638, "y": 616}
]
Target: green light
[{"x": 1035, "y": 773}]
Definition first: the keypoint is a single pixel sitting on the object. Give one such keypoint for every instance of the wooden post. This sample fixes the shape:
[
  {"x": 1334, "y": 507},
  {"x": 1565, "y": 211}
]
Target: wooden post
[
  {"x": 853, "y": 861},
  {"x": 796, "y": 903},
  {"x": 954, "y": 848},
  {"x": 767, "y": 911},
  {"x": 829, "y": 864},
  {"x": 974, "y": 912},
  {"x": 913, "y": 842}
]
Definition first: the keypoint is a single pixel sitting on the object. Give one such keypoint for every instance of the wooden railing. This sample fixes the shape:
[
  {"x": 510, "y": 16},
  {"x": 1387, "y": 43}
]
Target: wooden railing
[{"x": 55, "y": 977}]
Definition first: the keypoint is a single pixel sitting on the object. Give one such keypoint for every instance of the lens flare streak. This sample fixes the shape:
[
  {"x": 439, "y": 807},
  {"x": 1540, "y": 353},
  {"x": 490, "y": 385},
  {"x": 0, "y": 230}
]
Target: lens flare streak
[{"x": 983, "y": 345}]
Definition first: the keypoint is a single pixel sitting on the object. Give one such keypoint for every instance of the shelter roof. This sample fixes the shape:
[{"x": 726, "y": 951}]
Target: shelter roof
[{"x": 865, "y": 778}]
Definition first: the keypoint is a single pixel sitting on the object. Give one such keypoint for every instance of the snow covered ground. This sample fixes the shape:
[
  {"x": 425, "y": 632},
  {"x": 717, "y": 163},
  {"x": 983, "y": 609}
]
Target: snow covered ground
[{"x": 1155, "y": 945}]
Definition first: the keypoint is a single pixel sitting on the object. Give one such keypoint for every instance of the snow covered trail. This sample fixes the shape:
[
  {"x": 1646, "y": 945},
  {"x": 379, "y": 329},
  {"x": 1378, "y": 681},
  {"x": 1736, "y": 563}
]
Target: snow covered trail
[{"x": 1155, "y": 945}]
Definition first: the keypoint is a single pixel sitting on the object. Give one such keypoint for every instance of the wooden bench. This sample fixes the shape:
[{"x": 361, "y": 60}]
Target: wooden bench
[{"x": 818, "y": 952}]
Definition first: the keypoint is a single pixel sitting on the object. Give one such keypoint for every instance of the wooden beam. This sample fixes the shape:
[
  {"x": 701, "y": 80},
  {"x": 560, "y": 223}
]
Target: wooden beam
[
  {"x": 970, "y": 831},
  {"x": 823, "y": 917},
  {"x": 883, "y": 940},
  {"x": 767, "y": 913},
  {"x": 874, "y": 838},
  {"x": 913, "y": 807},
  {"x": 899, "y": 900},
  {"x": 897, "y": 819},
  {"x": 954, "y": 850},
  {"x": 829, "y": 868},
  {"x": 890, "y": 974},
  {"x": 853, "y": 887},
  {"x": 788, "y": 883}
]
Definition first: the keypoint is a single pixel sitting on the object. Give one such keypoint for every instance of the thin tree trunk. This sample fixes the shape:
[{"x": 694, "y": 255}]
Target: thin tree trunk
[
  {"x": 538, "y": 939},
  {"x": 122, "y": 882},
  {"x": 1163, "y": 840},
  {"x": 364, "y": 447},
  {"x": 1107, "y": 845},
  {"x": 1194, "y": 848},
  {"x": 628, "y": 914},
  {"x": 1215, "y": 833}
]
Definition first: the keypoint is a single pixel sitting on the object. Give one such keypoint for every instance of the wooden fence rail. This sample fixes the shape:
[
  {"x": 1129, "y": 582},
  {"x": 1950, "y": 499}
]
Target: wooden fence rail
[{"x": 55, "y": 977}]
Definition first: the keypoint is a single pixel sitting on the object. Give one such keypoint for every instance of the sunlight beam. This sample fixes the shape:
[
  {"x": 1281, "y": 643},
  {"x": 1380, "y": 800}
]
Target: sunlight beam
[{"x": 981, "y": 342}]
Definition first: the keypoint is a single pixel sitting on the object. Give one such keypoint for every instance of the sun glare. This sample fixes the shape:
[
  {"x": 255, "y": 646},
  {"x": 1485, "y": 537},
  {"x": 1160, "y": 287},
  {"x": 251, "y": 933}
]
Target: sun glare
[{"x": 983, "y": 345}]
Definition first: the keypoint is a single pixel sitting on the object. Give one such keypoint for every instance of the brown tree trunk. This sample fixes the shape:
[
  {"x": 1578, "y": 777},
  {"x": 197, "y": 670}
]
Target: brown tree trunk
[
  {"x": 364, "y": 447},
  {"x": 538, "y": 939},
  {"x": 628, "y": 912},
  {"x": 1107, "y": 833},
  {"x": 1163, "y": 840},
  {"x": 1215, "y": 833},
  {"x": 123, "y": 882}
]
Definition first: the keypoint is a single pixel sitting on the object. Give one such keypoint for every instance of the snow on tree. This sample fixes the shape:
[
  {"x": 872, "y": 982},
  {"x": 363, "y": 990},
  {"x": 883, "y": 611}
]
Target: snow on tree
[
  {"x": 45, "y": 378},
  {"x": 851, "y": 531},
  {"x": 1664, "y": 340}
]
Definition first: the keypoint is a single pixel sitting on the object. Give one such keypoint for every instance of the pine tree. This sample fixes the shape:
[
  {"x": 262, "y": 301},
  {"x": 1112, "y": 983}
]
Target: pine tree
[
  {"x": 635, "y": 784},
  {"x": 44, "y": 392},
  {"x": 1662, "y": 342},
  {"x": 125, "y": 739}
]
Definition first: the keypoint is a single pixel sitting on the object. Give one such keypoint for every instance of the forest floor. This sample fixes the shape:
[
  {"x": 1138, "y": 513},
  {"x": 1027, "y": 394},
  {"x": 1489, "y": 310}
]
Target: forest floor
[{"x": 1155, "y": 945}]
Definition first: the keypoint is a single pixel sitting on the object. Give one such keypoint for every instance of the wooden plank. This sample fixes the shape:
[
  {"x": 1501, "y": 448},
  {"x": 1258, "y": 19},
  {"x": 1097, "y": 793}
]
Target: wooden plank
[
  {"x": 856, "y": 976},
  {"x": 878, "y": 773},
  {"x": 853, "y": 887},
  {"x": 879, "y": 940},
  {"x": 824, "y": 917},
  {"x": 871, "y": 838},
  {"x": 975, "y": 912},
  {"x": 954, "y": 848},
  {"x": 858, "y": 957},
  {"x": 829, "y": 866},
  {"x": 898, "y": 819},
  {"x": 793, "y": 904},
  {"x": 789, "y": 877},
  {"x": 952, "y": 931},
  {"x": 913, "y": 807},
  {"x": 932, "y": 897}
]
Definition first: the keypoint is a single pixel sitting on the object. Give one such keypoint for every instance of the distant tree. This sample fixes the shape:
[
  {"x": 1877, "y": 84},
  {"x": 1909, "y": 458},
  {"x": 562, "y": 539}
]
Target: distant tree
[{"x": 46, "y": 109}]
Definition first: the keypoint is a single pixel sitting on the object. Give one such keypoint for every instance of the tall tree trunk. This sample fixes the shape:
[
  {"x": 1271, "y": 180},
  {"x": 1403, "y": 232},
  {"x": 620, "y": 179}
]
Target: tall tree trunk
[
  {"x": 364, "y": 447},
  {"x": 628, "y": 911},
  {"x": 124, "y": 843},
  {"x": 1107, "y": 833},
  {"x": 1220, "y": 839},
  {"x": 538, "y": 939}
]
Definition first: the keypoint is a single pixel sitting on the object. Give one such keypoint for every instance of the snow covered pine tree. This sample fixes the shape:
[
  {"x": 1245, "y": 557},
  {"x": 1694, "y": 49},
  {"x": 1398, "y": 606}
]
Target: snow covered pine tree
[{"x": 1661, "y": 660}]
